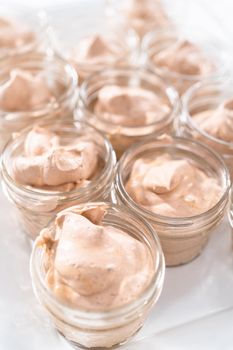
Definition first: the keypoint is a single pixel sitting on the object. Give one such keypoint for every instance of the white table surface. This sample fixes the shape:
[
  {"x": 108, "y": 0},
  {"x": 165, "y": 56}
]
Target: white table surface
[{"x": 195, "y": 311}]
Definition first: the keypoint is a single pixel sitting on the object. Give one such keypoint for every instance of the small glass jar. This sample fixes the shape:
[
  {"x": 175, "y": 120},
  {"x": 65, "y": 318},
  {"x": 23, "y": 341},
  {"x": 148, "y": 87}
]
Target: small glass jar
[
  {"x": 62, "y": 80},
  {"x": 200, "y": 98},
  {"x": 121, "y": 136},
  {"x": 32, "y": 22},
  {"x": 35, "y": 207},
  {"x": 85, "y": 25},
  {"x": 104, "y": 329},
  {"x": 182, "y": 238},
  {"x": 157, "y": 41},
  {"x": 137, "y": 17}
]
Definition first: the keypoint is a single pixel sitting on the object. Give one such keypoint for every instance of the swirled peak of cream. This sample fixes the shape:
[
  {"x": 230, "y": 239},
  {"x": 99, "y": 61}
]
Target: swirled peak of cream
[
  {"x": 92, "y": 266},
  {"x": 14, "y": 35},
  {"x": 217, "y": 122},
  {"x": 172, "y": 187},
  {"x": 49, "y": 165},
  {"x": 143, "y": 15},
  {"x": 186, "y": 58},
  {"x": 24, "y": 91},
  {"x": 130, "y": 106},
  {"x": 95, "y": 49},
  {"x": 39, "y": 140}
]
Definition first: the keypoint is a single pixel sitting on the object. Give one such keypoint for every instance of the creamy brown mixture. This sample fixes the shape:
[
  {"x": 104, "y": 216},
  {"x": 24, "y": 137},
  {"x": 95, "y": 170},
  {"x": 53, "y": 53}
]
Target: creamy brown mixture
[
  {"x": 50, "y": 165},
  {"x": 94, "y": 49},
  {"x": 92, "y": 266},
  {"x": 130, "y": 106},
  {"x": 217, "y": 122},
  {"x": 172, "y": 187},
  {"x": 96, "y": 52},
  {"x": 185, "y": 58},
  {"x": 24, "y": 91},
  {"x": 145, "y": 15},
  {"x": 14, "y": 35}
]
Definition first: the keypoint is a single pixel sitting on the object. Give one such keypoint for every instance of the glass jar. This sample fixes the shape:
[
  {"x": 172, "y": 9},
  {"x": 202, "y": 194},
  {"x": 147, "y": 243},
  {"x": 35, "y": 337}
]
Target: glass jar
[
  {"x": 201, "y": 98},
  {"x": 158, "y": 41},
  {"x": 88, "y": 25},
  {"x": 34, "y": 25},
  {"x": 137, "y": 17},
  {"x": 121, "y": 136},
  {"x": 34, "y": 206},
  {"x": 61, "y": 79},
  {"x": 104, "y": 329},
  {"x": 182, "y": 238}
]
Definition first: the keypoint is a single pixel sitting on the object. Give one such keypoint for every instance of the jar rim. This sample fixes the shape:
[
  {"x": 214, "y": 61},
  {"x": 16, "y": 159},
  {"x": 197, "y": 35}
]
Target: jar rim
[
  {"x": 168, "y": 90},
  {"x": 109, "y": 163},
  {"x": 185, "y": 102},
  {"x": 162, "y": 219},
  {"x": 50, "y": 58},
  {"x": 148, "y": 39},
  {"x": 156, "y": 281}
]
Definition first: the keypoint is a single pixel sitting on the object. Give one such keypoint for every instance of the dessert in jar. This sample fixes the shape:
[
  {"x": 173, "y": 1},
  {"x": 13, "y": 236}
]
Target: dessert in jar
[
  {"x": 128, "y": 105},
  {"x": 180, "y": 186},
  {"x": 21, "y": 31},
  {"x": 15, "y": 37},
  {"x": 36, "y": 86},
  {"x": 54, "y": 165},
  {"x": 96, "y": 52},
  {"x": 207, "y": 116},
  {"x": 94, "y": 45},
  {"x": 181, "y": 61},
  {"x": 139, "y": 16},
  {"x": 97, "y": 269}
]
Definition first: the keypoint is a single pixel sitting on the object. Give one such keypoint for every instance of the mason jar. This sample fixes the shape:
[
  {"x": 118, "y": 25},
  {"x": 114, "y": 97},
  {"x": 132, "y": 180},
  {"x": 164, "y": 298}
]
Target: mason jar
[
  {"x": 62, "y": 82},
  {"x": 201, "y": 98},
  {"x": 102, "y": 329},
  {"x": 182, "y": 238},
  {"x": 159, "y": 41},
  {"x": 19, "y": 17},
  {"x": 107, "y": 48},
  {"x": 35, "y": 206},
  {"x": 122, "y": 136},
  {"x": 137, "y": 17}
]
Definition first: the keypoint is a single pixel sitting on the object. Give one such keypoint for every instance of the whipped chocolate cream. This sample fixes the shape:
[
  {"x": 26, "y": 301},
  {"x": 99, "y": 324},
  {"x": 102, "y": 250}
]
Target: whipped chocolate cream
[
  {"x": 92, "y": 266},
  {"x": 14, "y": 35},
  {"x": 95, "y": 50},
  {"x": 130, "y": 106},
  {"x": 50, "y": 165},
  {"x": 217, "y": 122},
  {"x": 172, "y": 187},
  {"x": 24, "y": 91},
  {"x": 185, "y": 58},
  {"x": 143, "y": 15}
]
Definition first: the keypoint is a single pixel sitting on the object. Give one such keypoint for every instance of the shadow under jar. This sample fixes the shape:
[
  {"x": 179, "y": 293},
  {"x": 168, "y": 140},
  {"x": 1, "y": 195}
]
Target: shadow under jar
[
  {"x": 35, "y": 205},
  {"x": 182, "y": 237},
  {"x": 207, "y": 117},
  {"x": 102, "y": 328},
  {"x": 183, "y": 59},
  {"x": 120, "y": 123},
  {"x": 60, "y": 80}
]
